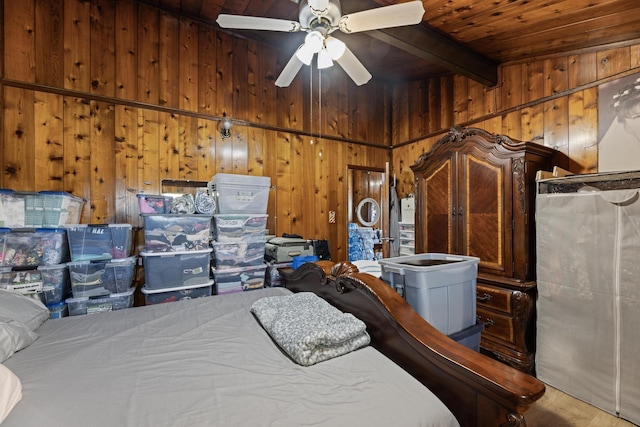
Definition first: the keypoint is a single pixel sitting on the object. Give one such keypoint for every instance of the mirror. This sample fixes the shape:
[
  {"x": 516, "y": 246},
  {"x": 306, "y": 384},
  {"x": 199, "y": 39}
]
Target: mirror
[{"x": 368, "y": 212}]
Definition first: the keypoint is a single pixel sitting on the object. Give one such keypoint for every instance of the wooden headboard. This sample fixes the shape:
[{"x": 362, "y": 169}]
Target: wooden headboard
[{"x": 478, "y": 390}]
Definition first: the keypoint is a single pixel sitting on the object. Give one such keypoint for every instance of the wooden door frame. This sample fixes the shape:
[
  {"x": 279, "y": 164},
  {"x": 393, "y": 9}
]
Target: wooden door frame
[{"x": 384, "y": 203}]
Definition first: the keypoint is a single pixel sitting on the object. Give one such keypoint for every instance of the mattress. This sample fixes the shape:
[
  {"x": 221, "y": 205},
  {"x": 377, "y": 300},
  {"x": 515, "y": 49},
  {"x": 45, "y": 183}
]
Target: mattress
[{"x": 204, "y": 362}]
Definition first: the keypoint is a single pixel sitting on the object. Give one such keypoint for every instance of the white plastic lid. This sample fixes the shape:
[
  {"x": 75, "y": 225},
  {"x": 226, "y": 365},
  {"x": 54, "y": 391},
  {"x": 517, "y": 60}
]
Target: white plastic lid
[
  {"x": 174, "y": 253},
  {"x": 121, "y": 294},
  {"x": 144, "y": 289}
]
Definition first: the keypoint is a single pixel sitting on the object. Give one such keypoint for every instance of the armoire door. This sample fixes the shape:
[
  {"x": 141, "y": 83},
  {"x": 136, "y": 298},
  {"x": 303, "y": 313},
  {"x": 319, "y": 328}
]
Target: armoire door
[
  {"x": 436, "y": 224},
  {"x": 484, "y": 211},
  {"x": 465, "y": 210}
]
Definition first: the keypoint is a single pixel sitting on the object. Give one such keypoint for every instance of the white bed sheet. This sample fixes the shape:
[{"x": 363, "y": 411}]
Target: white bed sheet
[{"x": 204, "y": 362}]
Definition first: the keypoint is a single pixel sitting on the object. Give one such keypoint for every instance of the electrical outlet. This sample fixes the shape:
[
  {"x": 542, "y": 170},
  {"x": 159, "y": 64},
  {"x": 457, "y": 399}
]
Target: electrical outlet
[{"x": 332, "y": 217}]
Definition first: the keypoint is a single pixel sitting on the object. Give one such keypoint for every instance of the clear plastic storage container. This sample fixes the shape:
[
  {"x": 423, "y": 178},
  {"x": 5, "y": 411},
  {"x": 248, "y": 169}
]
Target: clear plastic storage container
[{"x": 161, "y": 296}]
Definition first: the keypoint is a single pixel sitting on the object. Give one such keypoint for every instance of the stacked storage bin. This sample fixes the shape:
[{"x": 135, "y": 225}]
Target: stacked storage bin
[
  {"x": 33, "y": 248},
  {"x": 101, "y": 268},
  {"x": 177, "y": 252},
  {"x": 32, "y": 261},
  {"x": 239, "y": 232}
]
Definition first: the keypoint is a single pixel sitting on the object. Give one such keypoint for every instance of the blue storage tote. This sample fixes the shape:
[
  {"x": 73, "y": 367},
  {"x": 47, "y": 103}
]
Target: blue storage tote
[
  {"x": 469, "y": 337},
  {"x": 440, "y": 287},
  {"x": 176, "y": 232},
  {"x": 58, "y": 310},
  {"x": 164, "y": 270},
  {"x": 33, "y": 247},
  {"x": 161, "y": 296},
  {"x": 56, "y": 283},
  {"x": 100, "y": 241},
  {"x": 87, "y": 305},
  {"x": 94, "y": 278}
]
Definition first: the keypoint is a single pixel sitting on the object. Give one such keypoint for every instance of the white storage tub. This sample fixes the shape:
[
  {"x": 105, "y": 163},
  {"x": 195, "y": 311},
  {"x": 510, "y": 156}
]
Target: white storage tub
[
  {"x": 440, "y": 287},
  {"x": 240, "y": 194}
]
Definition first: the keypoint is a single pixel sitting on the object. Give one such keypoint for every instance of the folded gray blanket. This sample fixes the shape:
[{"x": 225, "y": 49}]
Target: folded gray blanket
[{"x": 309, "y": 329}]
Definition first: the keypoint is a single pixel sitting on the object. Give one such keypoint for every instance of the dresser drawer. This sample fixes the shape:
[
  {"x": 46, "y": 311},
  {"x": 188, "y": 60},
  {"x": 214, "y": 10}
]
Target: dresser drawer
[
  {"x": 497, "y": 325},
  {"x": 494, "y": 298}
]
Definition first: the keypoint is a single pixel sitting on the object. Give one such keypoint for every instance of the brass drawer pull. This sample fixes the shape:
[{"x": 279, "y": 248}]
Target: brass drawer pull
[
  {"x": 484, "y": 297},
  {"x": 487, "y": 322}
]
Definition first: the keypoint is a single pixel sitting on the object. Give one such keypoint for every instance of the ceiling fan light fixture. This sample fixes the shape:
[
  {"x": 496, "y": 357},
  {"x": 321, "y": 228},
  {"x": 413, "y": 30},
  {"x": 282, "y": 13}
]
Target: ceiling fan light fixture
[
  {"x": 324, "y": 59},
  {"x": 335, "y": 47},
  {"x": 305, "y": 54},
  {"x": 314, "y": 41}
]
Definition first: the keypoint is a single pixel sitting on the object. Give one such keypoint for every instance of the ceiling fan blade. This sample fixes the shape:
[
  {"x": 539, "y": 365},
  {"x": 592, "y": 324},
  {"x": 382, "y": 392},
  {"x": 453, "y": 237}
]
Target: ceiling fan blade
[
  {"x": 289, "y": 72},
  {"x": 353, "y": 67},
  {"x": 257, "y": 23},
  {"x": 396, "y": 15}
]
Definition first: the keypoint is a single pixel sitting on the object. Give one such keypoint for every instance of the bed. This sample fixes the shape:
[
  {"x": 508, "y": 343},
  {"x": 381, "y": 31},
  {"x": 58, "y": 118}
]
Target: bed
[{"x": 211, "y": 362}]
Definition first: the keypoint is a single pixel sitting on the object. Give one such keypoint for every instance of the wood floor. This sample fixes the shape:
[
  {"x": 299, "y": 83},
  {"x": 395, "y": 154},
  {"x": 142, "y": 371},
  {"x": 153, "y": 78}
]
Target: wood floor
[{"x": 557, "y": 409}]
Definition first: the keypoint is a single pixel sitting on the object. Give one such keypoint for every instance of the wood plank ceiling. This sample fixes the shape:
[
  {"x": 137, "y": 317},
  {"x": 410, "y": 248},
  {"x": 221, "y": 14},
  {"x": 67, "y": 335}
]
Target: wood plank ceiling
[{"x": 468, "y": 37}]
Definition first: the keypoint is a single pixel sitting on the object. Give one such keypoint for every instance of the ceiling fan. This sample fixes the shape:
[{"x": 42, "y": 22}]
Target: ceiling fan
[{"x": 320, "y": 18}]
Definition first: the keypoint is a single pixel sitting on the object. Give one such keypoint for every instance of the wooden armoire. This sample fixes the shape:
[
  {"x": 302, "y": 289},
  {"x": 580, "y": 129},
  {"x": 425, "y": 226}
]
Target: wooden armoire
[{"x": 475, "y": 196}]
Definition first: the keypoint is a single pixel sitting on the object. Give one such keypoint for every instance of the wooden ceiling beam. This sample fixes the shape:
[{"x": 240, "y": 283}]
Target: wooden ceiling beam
[{"x": 431, "y": 45}]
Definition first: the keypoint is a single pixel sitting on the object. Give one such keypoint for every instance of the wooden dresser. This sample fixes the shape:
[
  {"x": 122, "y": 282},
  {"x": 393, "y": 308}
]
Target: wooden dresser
[{"x": 475, "y": 195}]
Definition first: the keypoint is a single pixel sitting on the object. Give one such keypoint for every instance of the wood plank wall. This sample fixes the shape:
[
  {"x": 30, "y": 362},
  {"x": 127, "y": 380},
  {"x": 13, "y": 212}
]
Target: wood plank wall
[
  {"x": 105, "y": 98},
  {"x": 551, "y": 101}
]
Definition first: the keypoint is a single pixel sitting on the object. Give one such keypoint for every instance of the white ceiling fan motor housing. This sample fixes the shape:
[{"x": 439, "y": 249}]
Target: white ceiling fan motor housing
[{"x": 325, "y": 21}]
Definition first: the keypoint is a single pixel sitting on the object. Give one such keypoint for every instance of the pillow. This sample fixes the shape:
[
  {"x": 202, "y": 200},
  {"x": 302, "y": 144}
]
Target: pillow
[
  {"x": 14, "y": 336},
  {"x": 10, "y": 391},
  {"x": 23, "y": 309}
]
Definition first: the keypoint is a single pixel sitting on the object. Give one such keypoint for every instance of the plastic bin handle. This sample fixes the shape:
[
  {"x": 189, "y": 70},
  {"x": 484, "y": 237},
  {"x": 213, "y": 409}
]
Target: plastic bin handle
[
  {"x": 294, "y": 253},
  {"x": 392, "y": 269}
]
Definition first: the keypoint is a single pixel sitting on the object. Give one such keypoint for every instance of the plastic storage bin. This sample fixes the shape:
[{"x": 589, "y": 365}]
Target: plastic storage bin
[
  {"x": 469, "y": 337},
  {"x": 240, "y": 194},
  {"x": 58, "y": 310},
  {"x": 11, "y": 209},
  {"x": 229, "y": 280},
  {"x": 440, "y": 287},
  {"x": 272, "y": 277},
  {"x": 56, "y": 283},
  {"x": 23, "y": 281},
  {"x": 33, "y": 247},
  {"x": 154, "y": 204},
  {"x": 86, "y": 305},
  {"x": 99, "y": 242},
  {"x": 238, "y": 254},
  {"x": 239, "y": 227},
  {"x": 164, "y": 270},
  {"x": 176, "y": 232},
  {"x": 61, "y": 208},
  {"x": 299, "y": 260},
  {"x": 94, "y": 278},
  {"x": 33, "y": 209},
  {"x": 160, "y": 296}
]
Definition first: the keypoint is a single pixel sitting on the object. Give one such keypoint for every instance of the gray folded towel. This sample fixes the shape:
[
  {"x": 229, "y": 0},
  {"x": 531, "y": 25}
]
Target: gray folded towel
[{"x": 309, "y": 329}]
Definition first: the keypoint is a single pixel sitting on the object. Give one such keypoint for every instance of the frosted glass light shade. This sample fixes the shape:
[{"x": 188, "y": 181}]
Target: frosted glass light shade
[
  {"x": 314, "y": 40},
  {"x": 335, "y": 47},
  {"x": 324, "y": 59},
  {"x": 305, "y": 54}
]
